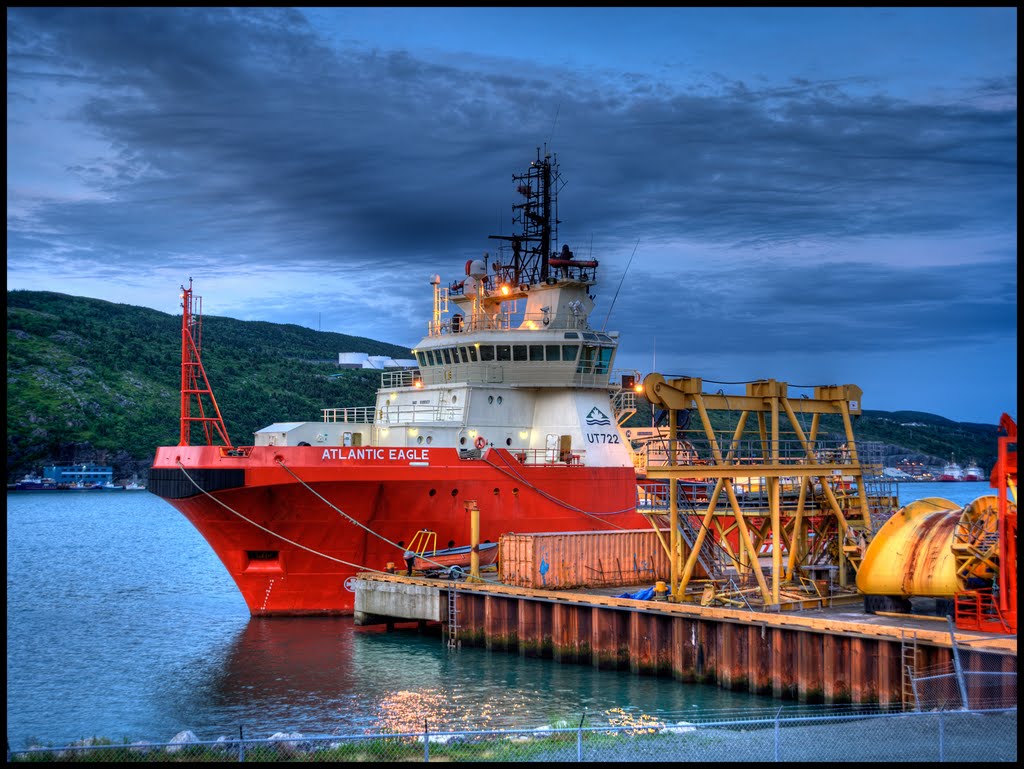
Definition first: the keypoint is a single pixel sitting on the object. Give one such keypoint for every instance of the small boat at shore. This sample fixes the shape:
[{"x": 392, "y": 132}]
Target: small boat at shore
[
  {"x": 35, "y": 483},
  {"x": 456, "y": 556}
]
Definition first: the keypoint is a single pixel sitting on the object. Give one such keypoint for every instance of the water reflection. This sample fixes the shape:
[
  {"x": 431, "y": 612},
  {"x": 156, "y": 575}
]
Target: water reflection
[{"x": 326, "y": 676}]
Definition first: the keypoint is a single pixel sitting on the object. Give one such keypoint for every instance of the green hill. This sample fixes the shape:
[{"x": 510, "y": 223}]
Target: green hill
[
  {"x": 89, "y": 380},
  {"x": 93, "y": 381}
]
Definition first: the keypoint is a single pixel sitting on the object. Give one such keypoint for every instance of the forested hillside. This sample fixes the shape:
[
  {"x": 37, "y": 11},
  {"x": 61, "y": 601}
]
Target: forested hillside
[{"x": 89, "y": 380}]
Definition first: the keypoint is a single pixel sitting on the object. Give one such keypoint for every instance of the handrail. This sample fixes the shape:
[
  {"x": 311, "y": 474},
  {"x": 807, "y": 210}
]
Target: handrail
[
  {"x": 532, "y": 321},
  {"x": 570, "y": 458}
]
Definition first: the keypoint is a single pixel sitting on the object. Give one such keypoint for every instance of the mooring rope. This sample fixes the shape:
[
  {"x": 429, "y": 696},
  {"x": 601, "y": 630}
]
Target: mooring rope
[
  {"x": 274, "y": 533},
  {"x": 512, "y": 473},
  {"x": 341, "y": 512}
]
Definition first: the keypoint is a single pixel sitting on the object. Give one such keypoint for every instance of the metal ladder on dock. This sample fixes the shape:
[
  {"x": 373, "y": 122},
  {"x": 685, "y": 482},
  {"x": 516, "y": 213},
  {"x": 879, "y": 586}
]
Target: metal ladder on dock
[
  {"x": 908, "y": 665},
  {"x": 453, "y": 617}
]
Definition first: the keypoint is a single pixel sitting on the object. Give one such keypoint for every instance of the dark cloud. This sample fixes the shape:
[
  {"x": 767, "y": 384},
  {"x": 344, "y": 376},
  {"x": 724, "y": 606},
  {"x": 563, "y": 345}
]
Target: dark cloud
[{"x": 241, "y": 137}]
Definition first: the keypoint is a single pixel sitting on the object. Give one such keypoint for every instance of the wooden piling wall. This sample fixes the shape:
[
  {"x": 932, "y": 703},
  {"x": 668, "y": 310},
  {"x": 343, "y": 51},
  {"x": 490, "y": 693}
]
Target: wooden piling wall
[{"x": 807, "y": 663}]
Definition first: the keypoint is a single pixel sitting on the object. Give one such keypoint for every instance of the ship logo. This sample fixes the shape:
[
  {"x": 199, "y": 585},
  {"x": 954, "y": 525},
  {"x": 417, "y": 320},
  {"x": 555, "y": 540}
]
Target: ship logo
[{"x": 597, "y": 417}]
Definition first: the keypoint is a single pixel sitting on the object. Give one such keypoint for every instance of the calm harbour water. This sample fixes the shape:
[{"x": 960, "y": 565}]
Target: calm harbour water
[{"x": 122, "y": 623}]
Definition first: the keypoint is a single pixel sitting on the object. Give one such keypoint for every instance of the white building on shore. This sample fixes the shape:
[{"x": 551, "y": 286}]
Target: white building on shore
[{"x": 365, "y": 360}]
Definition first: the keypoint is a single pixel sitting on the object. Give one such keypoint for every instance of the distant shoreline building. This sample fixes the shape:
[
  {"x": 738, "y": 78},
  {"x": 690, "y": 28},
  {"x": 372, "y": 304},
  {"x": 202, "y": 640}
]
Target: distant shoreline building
[
  {"x": 361, "y": 360},
  {"x": 84, "y": 474}
]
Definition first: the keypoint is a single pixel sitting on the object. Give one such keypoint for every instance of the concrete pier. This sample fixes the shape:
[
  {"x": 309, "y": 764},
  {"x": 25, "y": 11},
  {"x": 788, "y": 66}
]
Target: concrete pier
[{"x": 833, "y": 656}]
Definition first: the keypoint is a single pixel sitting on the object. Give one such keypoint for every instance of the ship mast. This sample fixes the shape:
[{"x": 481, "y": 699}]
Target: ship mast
[
  {"x": 194, "y": 384},
  {"x": 538, "y": 221}
]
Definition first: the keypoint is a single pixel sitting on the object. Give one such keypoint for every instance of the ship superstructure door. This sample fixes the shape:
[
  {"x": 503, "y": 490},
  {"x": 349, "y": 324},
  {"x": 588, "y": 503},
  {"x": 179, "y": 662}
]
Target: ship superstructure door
[
  {"x": 558, "y": 448},
  {"x": 551, "y": 447}
]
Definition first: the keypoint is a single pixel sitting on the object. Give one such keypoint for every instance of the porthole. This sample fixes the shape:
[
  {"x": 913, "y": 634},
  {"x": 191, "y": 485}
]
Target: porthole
[
  {"x": 515, "y": 491},
  {"x": 455, "y": 492},
  {"x": 433, "y": 492},
  {"x": 455, "y": 398},
  {"x": 462, "y": 441},
  {"x": 419, "y": 439},
  {"x": 451, "y": 543},
  {"x": 401, "y": 543},
  {"x": 430, "y": 439},
  {"x": 496, "y": 491},
  {"x": 508, "y": 441},
  {"x": 490, "y": 399},
  {"x": 499, "y": 400}
]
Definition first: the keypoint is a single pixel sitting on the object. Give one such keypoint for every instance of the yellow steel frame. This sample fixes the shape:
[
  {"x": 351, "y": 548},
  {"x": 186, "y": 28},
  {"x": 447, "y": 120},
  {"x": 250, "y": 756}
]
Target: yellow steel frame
[{"x": 769, "y": 401}]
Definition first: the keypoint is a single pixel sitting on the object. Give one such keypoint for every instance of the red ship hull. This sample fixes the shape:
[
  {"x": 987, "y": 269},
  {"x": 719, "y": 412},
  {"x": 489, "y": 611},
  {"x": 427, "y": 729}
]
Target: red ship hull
[{"x": 287, "y": 522}]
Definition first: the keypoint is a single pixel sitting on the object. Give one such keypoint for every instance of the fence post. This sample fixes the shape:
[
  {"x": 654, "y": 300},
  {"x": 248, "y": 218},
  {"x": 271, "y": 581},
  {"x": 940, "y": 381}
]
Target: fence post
[
  {"x": 426, "y": 742},
  {"x": 942, "y": 738},
  {"x": 579, "y": 738},
  {"x": 956, "y": 664},
  {"x": 777, "y": 734},
  {"x": 241, "y": 745}
]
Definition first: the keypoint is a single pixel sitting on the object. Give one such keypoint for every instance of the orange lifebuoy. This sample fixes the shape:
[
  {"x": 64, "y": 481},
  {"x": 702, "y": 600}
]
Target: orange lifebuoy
[{"x": 480, "y": 442}]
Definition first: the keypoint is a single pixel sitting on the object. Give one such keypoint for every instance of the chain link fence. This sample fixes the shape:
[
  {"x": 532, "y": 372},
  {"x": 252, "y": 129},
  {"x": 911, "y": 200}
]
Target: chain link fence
[{"x": 833, "y": 735}]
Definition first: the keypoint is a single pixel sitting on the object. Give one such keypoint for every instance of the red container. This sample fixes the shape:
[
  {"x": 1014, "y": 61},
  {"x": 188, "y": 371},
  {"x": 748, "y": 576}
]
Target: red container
[{"x": 560, "y": 560}]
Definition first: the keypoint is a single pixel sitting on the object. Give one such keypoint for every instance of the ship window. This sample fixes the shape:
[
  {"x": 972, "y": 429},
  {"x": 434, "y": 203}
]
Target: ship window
[
  {"x": 604, "y": 364},
  {"x": 499, "y": 400},
  {"x": 422, "y": 359},
  {"x": 570, "y": 351},
  {"x": 430, "y": 357},
  {"x": 519, "y": 352},
  {"x": 504, "y": 352},
  {"x": 447, "y": 356},
  {"x": 589, "y": 336},
  {"x": 472, "y": 354},
  {"x": 586, "y": 364},
  {"x": 464, "y": 354},
  {"x": 571, "y": 335},
  {"x": 554, "y": 351},
  {"x": 536, "y": 352},
  {"x": 486, "y": 352}
]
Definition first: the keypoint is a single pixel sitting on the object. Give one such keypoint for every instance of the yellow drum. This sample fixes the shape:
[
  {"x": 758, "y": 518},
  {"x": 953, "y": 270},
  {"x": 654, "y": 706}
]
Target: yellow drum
[{"x": 932, "y": 548}]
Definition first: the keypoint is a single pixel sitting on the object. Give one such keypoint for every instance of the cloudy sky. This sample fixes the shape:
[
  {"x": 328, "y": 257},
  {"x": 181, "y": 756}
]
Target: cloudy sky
[{"x": 814, "y": 195}]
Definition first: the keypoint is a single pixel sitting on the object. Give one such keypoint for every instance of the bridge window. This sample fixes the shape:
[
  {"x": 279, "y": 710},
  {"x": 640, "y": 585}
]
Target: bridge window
[
  {"x": 570, "y": 351},
  {"x": 486, "y": 352},
  {"x": 536, "y": 352},
  {"x": 430, "y": 357},
  {"x": 519, "y": 352},
  {"x": 472, "y": 354},
  {"x": 464, "y": 354},
  {"x": 422, "y": 359},
  {"x": 504, "y": 352},
  {"x": 554, "y": 351}
]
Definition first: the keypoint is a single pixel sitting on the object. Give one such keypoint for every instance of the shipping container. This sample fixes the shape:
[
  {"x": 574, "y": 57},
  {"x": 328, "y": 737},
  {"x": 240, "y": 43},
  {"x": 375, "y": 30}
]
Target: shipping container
[{"x": 573, "y": 559}]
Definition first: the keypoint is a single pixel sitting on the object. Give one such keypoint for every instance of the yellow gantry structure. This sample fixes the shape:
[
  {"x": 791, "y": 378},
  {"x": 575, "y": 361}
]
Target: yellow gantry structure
[{"x": 811, "y": 500}]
